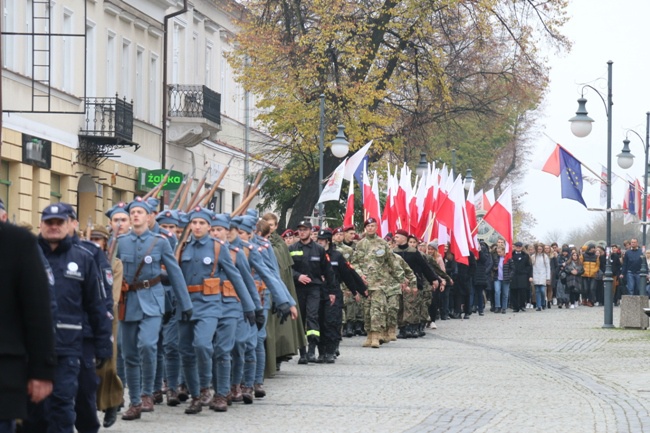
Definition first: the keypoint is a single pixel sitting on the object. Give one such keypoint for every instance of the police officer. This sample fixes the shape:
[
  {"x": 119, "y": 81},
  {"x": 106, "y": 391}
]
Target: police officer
[
  {"x": 235, "y": 301},
  {"x": 142, "y": 303},
  {"x": 312, "y": 273},
  {"x": 331, "y": 307},
  {"x": 78, "y": 291}
]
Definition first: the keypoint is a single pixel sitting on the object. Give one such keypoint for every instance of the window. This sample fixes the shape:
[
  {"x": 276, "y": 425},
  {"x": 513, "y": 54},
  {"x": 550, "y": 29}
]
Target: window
[
  {"x": 4, "y": 182},
  {"x": 177, "y": 44},
  {"x": 110, "y": 65},
  {"x": 55, "y": 188},
  {"x": 139, "y": 84},
  {"x": 8, "y": 19},
  {"x": 235, "y": 200},
  {"x": 118, "y": 196},
  {"x": 216, "y": 202},
  {"x": 30, "y": 40},
  {"x": 125, "y": 76},
  {"x": 195, "y": 60},
  {"x": 154, "y": 119},
  {"x": 91, "y": 60},
  {"x": 208, "y": 65},
  {"x": 67, "y": 66}
]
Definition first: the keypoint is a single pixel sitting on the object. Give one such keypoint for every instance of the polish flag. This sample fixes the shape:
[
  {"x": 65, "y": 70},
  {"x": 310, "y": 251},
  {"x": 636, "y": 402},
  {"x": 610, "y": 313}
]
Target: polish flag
[
  {"x": 639, "y": 195},
  {"x": 500, "y": 218},
  {"x": 348, "y": 219},
  {"x": 371, "y": 200},
  {"x": 478, "y": 200},
  {"x": 471, "y": 220},
  {"x": 488, "y": 199},
  {"x": 452, "y": 214}
]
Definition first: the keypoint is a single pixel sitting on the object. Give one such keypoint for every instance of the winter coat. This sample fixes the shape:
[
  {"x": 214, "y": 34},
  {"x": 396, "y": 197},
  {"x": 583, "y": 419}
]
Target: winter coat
[
  {"x": 483, "y": 267},
  {"x": 591, "y": 264},
  {"x": 573, "y": 282},
  {"x": 541, "y": 269},
  {"x": 520, "y": 271}
]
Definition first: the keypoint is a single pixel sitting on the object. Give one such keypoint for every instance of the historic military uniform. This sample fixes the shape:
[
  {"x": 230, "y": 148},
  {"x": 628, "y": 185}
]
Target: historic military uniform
[{"x": 142, "y": 306}]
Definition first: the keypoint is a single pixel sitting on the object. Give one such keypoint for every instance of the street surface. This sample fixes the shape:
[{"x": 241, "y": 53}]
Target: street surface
[{"x": 550, "y": 371}]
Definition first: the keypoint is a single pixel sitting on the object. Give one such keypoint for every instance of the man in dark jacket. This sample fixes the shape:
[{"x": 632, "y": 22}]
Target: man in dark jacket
[
  {"x": 27, "y": 357},
  {"x": 78, "y": 292},
  {"x": 482, "y": 277},
  {"x": 521, "y": 275}
]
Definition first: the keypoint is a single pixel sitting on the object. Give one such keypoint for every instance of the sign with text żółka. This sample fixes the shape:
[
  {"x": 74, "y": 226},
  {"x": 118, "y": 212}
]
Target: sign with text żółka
[{"x": 149, "y": 179}]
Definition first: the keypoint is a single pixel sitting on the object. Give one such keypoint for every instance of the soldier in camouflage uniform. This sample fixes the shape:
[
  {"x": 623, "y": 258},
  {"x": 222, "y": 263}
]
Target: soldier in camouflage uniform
[
  {"x": 375, "y": 260},
  {"x": 351, "y": 304},
  {"x": 408, "y": 313}
]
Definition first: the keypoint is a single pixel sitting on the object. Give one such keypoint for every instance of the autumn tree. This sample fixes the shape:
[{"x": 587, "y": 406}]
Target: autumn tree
[{"x": 414, "y": 75}]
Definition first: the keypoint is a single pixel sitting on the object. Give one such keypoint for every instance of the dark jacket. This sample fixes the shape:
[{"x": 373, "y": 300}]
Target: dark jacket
[
  {"x": 418, "y": 264},
  {"x": 78, "y": 291},
  {"x": 27, "y": 337},
  {"x": 520, "y": 271},
  {"x": 309, "y": 259},
  {"x": 345, "y": 273},
  {"x": 632, "y": 261},
  {"x": 483, "y": 267},
  {"x": 615, "y": 258}
]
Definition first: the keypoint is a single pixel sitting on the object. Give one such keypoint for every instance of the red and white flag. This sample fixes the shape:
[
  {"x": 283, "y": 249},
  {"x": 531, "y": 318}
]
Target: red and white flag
[
  {"x": 500, "y": 218},
  {"x": 471, "y": 221},
  {"x": 452, "y": 214},
  {"x": 348, "y": 219},
  {"x": 488, "y": 199}
]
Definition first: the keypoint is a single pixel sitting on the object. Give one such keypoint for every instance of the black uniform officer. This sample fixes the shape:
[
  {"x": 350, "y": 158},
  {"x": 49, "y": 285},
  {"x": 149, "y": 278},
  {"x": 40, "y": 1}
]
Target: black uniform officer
[
  {"x": 331, "y": 307},
  {"x": 78, "y": 291},
  {"x": 312, "y": 273}
]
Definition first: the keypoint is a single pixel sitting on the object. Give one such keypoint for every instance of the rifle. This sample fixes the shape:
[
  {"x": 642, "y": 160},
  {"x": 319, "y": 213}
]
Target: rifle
[
  {"x": 112, "y": 244},
  {"x": 197, "y": 193},
  {"x": 154, "y": 192},
  {"x": 89, "y": 227},
  {"x": 205, "y": 198},
  {"x": 257, "y": 186},
  {"x": 181, "y": 191}
]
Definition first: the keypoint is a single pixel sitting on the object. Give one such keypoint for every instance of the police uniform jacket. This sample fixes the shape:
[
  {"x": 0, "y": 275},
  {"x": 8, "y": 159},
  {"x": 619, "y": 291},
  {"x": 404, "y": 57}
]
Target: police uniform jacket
[
  {"x": 309, "y": 259},
  {"x": 105, "y": 272},
  {"x": 78, "y": 291},
  {"x": 134, "y": 249},
  {"x": 27, "y": 337}
]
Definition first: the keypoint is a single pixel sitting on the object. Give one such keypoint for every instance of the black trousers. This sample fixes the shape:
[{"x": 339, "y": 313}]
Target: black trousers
[
  {"x": 331, "y": 318},
  {"x": 309, "y": 303},
  {"x": 518, "y": 298}
]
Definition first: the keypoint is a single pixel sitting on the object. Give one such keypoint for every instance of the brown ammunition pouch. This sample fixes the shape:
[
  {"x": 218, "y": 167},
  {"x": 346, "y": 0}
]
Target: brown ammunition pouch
[
  {"x": 228, "y": 290},
  {"x": 212, "y": 286},
  {"x": 121, "y": 306}
]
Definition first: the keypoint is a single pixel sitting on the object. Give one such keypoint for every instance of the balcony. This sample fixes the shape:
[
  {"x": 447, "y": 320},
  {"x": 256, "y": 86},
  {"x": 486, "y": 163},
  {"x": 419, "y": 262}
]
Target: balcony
[
  {"x": 108, "y": 125},
  {"x": 194, "y": 114}
]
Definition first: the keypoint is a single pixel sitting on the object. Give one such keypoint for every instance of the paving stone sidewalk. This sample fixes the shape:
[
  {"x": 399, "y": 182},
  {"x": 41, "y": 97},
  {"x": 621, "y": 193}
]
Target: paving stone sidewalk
[{"x": 549, "y": 371}]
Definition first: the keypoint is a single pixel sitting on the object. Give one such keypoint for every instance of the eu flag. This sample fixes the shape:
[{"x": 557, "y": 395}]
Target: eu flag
[{"x": 571, "y": 177}]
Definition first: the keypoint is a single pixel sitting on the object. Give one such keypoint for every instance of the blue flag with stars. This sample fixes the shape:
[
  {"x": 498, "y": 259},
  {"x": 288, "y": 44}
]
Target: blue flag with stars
[{"x": 571, "y": 177}]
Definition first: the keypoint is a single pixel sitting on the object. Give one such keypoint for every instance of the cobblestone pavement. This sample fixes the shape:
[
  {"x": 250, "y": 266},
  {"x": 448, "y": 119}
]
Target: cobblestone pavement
[{"x": 554, "y": 370}]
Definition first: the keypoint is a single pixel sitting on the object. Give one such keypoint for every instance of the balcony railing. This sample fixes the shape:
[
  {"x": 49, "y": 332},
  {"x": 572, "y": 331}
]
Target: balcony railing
[
  {"x": 108, "y": 118},
  {"x": 194, "y": 101}
]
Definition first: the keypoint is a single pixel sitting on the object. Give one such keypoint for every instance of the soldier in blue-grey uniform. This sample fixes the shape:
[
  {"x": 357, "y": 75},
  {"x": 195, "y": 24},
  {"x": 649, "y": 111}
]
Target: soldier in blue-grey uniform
[
  {"x": 267, "y": 283},
  {"x": 78, "y": 291},
  {"x": 142, "y": 304},
  {"x": 236, "y": 300},
  {"x": 168, "y": 363},
  {"x": 204, "y": 261}
]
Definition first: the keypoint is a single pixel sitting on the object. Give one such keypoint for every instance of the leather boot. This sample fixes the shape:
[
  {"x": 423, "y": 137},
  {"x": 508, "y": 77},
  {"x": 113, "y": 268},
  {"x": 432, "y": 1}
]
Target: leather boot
[
  {"x": 349, "y": 330},
  {"x": 421, "y": 332},
  {"x": 132, "y": 413},
  {"x": 195, "y": 406},
  {"x": 368, "y": 342},
  {"x": 311, "y": 352},
  {"x": 205, "y": 396},
  {"x": 259, "y": 390},
  {"x": 374, "y": 339},
  {"x": 337, "y": 352},
  {"x": 247, "y": 394},
  {"x": 147, "y": 403},
  {"x": 329, "y": 354},
  {"x": 357, "y": 327},
  {"x": 110, "y": 416},
  {"x": 321, "y": 354},
  {"x": 183, "y": 392},
  {"x": 157, "y": 397},
  {"x": 303, "y": 356},
  {"x": 402, "y": 333},
  {"x": 236, "y": 393},
  {"x": 392, "y": 333},
  {"x": 219, "y": 404},
  {"x": 362, "y": 329},
  {"x": 172, "y": 398},
  {"x": 408, "y": 331}
]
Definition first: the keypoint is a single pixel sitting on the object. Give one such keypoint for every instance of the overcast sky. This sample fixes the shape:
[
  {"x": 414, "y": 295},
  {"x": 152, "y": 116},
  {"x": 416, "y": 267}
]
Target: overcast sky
[{"x": 600, "y": 30}]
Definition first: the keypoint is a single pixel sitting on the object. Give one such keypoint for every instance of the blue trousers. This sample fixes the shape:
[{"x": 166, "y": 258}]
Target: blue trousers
[
  {"x": 196, "y": 349},
  {"x": 243, "y": 354},
  {"x": 633, "y": 283},
  {"x": 224, "y": 341},
  {"x": 56, "y": 413},
  {"x": 86, "y": 400},
  {"x": 140, "y": 347},
  {"x": 260, "y": 350},
  {"x": 168, "y": 364}
]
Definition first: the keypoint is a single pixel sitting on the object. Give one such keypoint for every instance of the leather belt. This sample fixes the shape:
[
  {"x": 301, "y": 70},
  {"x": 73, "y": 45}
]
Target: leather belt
[{"x": 145, "y": 284}]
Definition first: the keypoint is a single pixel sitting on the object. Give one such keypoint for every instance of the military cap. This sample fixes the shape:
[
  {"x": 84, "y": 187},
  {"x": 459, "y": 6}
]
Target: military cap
[
  {"x": 183, "y": 220},
  {"x": 287, "y": 233},
  {"x": 370, "y": 220},
  {"x": 99, "y": 231},
  {"x": 138, "y": 202},
  {"x": 220, "y": 220},
  {"x": 325, "y": 234},
  {"x": 200, "y": 212},
  {"x": 434, "y": 243},
  {"x": 348, "y": 228},
  {"x": 54, "y": 211},
  {"x": 304, "y": 223},
  {"x": 153, "y": 203},
  {"x": 167, "y": 217},
  {"x": 337, "y": 230},
  {"x": 235, "y": 222},
  {"x": 252, "y": 212},
  {"x": 518, "y": 244},
  {"x": 118, "y": 208},
  {"x": 402, "y": 232},
  {"x": 315, "y": 228},
  {"x": 248, "y": 223}
]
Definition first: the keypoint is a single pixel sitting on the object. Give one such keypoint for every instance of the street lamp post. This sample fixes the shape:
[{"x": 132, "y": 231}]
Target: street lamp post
[
  {"x": 422, "y": 167},
  {"x": 339, "y": 147},
  {"x": 625, "y": 161},
  {"x": 469, "y": 179},
  {"x": 581, "y": 127}
]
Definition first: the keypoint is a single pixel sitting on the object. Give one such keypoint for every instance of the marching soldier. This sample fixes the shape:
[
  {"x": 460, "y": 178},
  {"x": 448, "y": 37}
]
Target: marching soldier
[
  {"x": 374, "y": 258},
  {"x": 142, "y": 303}
]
